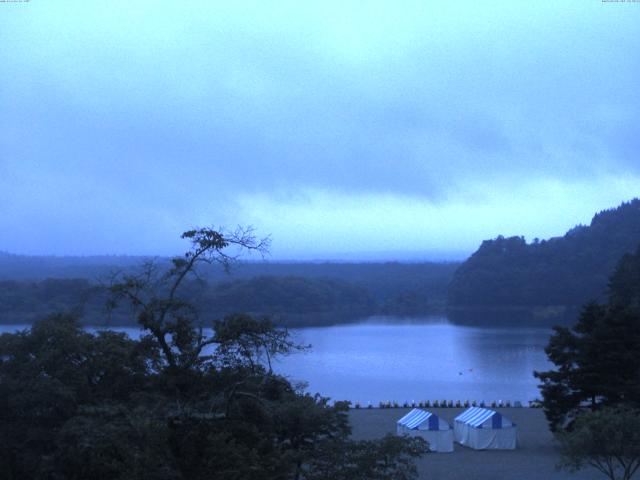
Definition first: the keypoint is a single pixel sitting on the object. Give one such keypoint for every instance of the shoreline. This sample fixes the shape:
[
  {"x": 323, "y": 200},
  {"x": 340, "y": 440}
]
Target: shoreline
[
  {"x": 446, "y": 405},
  {"x": 534, "y": 458}
]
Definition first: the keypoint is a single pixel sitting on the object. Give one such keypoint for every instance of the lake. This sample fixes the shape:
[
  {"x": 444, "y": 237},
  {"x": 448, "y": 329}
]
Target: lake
[{"x": 393, "y": 359}]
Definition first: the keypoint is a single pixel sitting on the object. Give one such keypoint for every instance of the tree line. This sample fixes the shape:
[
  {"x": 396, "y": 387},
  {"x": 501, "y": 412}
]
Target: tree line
[
  {"x": 592, "y": 396},
  {"x": 393, "y": 289},
  {"x": 563, "y": 271},
  {"x": 175, "y": 404}
]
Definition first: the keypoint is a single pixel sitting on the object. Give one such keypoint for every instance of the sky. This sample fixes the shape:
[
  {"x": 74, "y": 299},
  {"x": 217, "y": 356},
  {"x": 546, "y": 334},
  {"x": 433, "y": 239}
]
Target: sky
[{"x": 342, "y": 129}]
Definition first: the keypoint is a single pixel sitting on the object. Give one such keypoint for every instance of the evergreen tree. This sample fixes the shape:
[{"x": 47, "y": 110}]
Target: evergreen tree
[{"x": 598, "y": 360}]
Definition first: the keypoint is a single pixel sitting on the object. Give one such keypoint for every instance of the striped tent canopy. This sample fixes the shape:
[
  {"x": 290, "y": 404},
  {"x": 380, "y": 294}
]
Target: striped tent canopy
[
  {"x": 481, "y": 428},
  {"x": 419, "y": 419},
  {"x": 421, "y": 423},
  {"x": 478, "y": 417}
]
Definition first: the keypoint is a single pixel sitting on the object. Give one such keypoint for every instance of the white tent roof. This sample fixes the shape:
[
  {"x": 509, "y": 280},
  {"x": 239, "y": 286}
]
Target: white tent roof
[
  {"x": 477, "y": 416},
  {"x": 417, "y": 417}
]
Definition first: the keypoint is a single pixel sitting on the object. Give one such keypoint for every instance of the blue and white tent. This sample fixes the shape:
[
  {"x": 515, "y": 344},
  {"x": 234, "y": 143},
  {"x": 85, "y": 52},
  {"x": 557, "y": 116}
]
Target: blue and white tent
[
  {"x": 481, "y": 428},
  {"x": 420, "y": 423}
]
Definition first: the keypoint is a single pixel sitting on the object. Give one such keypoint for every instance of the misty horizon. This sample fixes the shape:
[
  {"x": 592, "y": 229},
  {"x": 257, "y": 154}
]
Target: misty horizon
[
  {"x": 338, "y": 130},
  {"x": 371, "y": 256}
]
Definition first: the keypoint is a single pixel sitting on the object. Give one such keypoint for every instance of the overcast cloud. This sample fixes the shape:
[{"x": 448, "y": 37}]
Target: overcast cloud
[{"x": 340, "y": 128}]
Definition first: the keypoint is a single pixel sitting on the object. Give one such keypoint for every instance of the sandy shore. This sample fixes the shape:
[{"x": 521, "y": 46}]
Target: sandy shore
[{"x": 534, "y": 459}]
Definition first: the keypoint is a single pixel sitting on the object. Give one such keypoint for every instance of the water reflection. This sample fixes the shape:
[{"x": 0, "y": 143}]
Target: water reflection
[
  {"x": 403, "y": 359},
  {"x": 420, "y": 360}
]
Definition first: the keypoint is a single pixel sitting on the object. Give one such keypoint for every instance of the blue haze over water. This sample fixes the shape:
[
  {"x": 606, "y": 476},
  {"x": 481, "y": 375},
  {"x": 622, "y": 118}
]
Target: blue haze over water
[{"x": 392, "y": 359}]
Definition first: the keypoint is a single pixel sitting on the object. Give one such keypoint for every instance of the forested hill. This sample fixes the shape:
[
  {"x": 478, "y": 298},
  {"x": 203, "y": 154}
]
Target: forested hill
[
  {"x": 561, "y": 271},
  {"x": 294, "y": 294}
]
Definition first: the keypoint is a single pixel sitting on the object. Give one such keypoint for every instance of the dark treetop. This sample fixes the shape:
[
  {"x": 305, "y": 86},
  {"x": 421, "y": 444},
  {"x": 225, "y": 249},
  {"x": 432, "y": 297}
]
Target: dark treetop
[{"x": 569, "y": 270}]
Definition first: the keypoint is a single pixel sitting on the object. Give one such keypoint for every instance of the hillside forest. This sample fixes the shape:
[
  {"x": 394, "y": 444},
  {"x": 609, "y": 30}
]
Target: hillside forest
[{"x": 506, "y": 280}]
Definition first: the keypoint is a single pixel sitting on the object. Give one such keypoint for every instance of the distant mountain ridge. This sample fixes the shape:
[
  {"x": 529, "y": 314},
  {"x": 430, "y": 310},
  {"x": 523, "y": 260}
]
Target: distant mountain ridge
[{"x": 562, "y": 271}]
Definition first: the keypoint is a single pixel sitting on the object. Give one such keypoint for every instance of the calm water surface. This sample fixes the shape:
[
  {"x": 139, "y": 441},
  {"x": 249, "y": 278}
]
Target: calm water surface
[
  {"x": 375, "y": 361},
  {"x": 428, "y": 359}
]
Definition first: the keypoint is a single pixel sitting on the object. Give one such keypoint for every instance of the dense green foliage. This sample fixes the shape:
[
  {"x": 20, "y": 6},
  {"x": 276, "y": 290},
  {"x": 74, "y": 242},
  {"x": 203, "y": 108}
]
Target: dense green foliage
[
  {"x": 597, "y": 360},
  {"x": 294, "y": 294},
  {"x": 76, "y": 405},
  {"x": 175, "y": 404},
  {"x": 562, "y": 271},
  {"x": 297, "y": 300},
  {"x": 25, "y": 302},
  {"x": 607, "y": 440}
]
